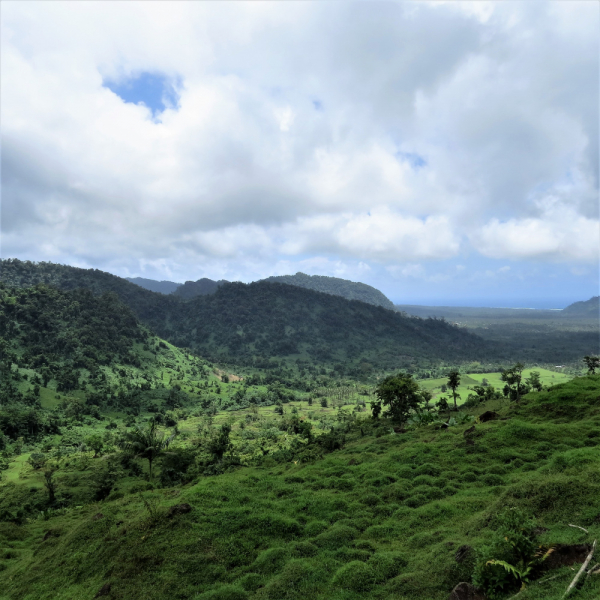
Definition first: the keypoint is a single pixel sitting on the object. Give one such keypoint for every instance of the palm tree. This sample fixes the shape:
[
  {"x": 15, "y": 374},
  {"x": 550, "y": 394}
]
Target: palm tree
[
  {"x": 453, "y": 383},
  {"x": 147, "y": 443}
]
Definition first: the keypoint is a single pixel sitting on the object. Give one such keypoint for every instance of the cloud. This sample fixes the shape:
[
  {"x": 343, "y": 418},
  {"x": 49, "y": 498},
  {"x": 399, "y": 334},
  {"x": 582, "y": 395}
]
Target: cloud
[{"x": 342, "y": 134}]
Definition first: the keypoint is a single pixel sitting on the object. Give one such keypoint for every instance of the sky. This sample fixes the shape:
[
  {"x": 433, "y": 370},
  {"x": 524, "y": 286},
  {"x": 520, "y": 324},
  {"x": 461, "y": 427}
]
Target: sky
[{"x": 443, "y": 152}]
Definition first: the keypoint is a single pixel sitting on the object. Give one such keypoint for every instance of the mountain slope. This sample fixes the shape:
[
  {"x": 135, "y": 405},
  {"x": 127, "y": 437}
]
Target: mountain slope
[
  {"x": 338, "y": 287},
  {"x": 246, "y": 323},
  {"x": 162, "y": 287},
  {"x": 588, "y": 308}
]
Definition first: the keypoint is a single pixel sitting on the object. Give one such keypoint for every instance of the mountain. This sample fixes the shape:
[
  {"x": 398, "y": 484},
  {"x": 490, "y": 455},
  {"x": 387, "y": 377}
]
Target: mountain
[
  {"x": 250, "y": 323},
  {"x": 338, "y": 287},
  {"x": 162, "y": 287},
  {"x": 202, "y": 287},
  {"x": 588, "y": 308}
]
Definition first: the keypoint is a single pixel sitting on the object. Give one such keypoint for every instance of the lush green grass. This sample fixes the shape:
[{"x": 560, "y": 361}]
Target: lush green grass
[{"x": 381, "y": 518}]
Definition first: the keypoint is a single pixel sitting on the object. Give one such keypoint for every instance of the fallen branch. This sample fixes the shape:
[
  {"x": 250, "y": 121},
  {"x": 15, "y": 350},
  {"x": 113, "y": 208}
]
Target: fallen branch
[
  {"x": 595, "y": 570},
  {"x": 577, "y": 526},
  {"x": 550, "y": 578},
  {"x": 583, "y": 568}
]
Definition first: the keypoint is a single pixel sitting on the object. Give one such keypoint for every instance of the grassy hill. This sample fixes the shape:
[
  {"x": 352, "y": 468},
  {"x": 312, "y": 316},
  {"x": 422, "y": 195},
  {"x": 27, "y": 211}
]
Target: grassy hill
[
  {"x": 386, "y": 516},
  {"x": 350, "y": 290}
]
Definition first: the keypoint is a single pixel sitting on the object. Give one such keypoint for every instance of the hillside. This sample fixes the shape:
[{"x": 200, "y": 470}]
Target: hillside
[
  {"x": 202, "y": 287},
  {"x": 370, "y": 515},
  {"x": 162, "y": 287},
  {"x": 338, "y": 287},
  {"x": 250, "y": 323},
  {"x": 589, "y": 308}
]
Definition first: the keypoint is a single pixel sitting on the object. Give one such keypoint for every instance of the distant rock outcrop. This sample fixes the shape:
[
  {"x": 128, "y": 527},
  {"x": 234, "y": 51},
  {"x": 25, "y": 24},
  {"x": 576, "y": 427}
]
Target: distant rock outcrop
[{"x": 350, "y": 290}]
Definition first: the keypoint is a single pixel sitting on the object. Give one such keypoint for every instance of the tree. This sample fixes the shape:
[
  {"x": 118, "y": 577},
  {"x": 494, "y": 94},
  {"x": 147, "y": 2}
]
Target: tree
[
  {"x": 534, "y": 382},
  {"x": 592, "y": 363},
  {"x": 513, "y": 378},
  {"x": 453, "y": 383},
  {"x": 147, "y": 443},
  {"x": 401, "y": 394},
  {"x": 95, "y": 443},
  {"x": 220, "y": 443},
  {"x": 50, "y": 484}
]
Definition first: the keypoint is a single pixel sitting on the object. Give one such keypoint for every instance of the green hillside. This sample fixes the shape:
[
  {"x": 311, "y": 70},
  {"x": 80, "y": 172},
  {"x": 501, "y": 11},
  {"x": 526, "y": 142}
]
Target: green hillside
[
  {"x": 250, "y": 324},
  {"x": 350, "y": 290},
  {"x": 369, "y": 514}
]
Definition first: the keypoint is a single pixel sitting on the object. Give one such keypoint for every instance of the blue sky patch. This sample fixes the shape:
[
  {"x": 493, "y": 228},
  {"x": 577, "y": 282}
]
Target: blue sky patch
[
  {"x": 412, "y": 158},
  {"x": 154, "y": 90}
]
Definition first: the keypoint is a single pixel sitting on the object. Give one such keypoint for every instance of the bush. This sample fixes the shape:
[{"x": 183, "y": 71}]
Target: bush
[
  {"x": 336, "y": 537},
  {"x": 387, "y": 565},
  {"x": 298, "y": 580},
  {"x": 270, "y": 561},
  {"x": 225, "y": 592},
  {"x": 315, "y": 528},
  {"x": 251, "y": 582},
  {"x": 415, "y": 501},
  {"x": 303, "y": 550},
  {"x": 356, "y": 576},
  {"x": 492, "y": 479}
]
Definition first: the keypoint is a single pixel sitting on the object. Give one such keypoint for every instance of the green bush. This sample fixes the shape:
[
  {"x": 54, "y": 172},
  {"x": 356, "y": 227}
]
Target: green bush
[
  {"x": 303, "y": 550},
  {"x": 225, "y": 592},
  {"x": 298, "y": 580},
  {"x": 315, "y": 528},
  {"x": 337, "y": 536},
  {"x": 387, "y": 565},
  {"x": 251, "y": 582},
  {"x": 270, "y": 561},
  {"x": 492, "y": 479},
  {"x": 415, "y": 501},
  {"x": 356, "y": 576}
]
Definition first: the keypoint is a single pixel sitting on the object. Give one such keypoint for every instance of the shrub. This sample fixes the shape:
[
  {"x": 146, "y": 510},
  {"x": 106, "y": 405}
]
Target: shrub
[
  {"x": 428, "y": 469},
  {"x": 297, "y": 580},
  {"x": 387, "y": 565},
  {"x": 415, "y": 501},
  {"x": 315, "y": 528},
  {"x": 337, "y": 536},
  {"x": 356, "y": 576},
  {"x": 492, "y": 479},
  {"x": 225, "y": 592},
  {"x": 251, "y": 582},
  {"x": 270, "y": 561},
  {"x": 371, "y": 499},
  {"x": 303, "y": 550}
]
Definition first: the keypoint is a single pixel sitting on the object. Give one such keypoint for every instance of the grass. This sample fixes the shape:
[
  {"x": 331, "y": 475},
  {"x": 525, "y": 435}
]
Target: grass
[{"x": 382, "y": 518}]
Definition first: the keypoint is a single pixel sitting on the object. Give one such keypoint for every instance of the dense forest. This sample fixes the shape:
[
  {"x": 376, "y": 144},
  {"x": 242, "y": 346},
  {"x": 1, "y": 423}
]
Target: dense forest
[{"x": 249, "y": 324}]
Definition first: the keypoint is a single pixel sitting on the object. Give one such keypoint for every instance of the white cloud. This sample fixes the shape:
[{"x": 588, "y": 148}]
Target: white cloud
[{"x": 461, "y": 129}]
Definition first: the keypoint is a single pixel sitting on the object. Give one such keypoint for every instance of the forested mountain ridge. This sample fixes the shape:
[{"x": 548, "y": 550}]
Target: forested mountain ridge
[
  {"x": 162, "y": 287},
  {"x": 248, "y": 323},
  {"x": 350, "y": 290}
]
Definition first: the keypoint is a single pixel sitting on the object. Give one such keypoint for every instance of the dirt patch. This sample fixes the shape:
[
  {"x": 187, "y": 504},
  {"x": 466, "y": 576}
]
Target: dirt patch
[
  {"x": 488, "y": 415},
  {"x": 103, "y": 591},
  {"x": 179, "y": 509},
  {"x": 565, "y": 555},
  {"x": 466, "y": 591}
]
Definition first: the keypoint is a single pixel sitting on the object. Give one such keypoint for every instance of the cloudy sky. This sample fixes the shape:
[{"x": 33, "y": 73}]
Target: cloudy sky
[{"x": 445, "y": 152}]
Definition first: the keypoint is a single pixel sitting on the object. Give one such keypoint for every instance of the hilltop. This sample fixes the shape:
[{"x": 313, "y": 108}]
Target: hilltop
[
  {"x": 338, "y": 287},
  {"x": 162, "y": 287}
]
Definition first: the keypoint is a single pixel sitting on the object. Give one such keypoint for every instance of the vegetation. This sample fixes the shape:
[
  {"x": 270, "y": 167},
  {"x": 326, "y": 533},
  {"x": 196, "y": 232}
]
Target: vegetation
[
  {"x": 162, "y": 287},
  {"x": 338, "y": 287},
  {"x": 384, "y": 515},
  {"x": 134, "y": 468}
]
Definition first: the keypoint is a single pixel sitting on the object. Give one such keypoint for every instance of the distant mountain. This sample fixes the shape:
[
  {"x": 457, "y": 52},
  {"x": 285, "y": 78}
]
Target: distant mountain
[
  {"x": 588, "y": 308},
  {"x": 202, "y": 287},
  {"x": 338, "y": 287},
  {"x": 162, "y": 287}
]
